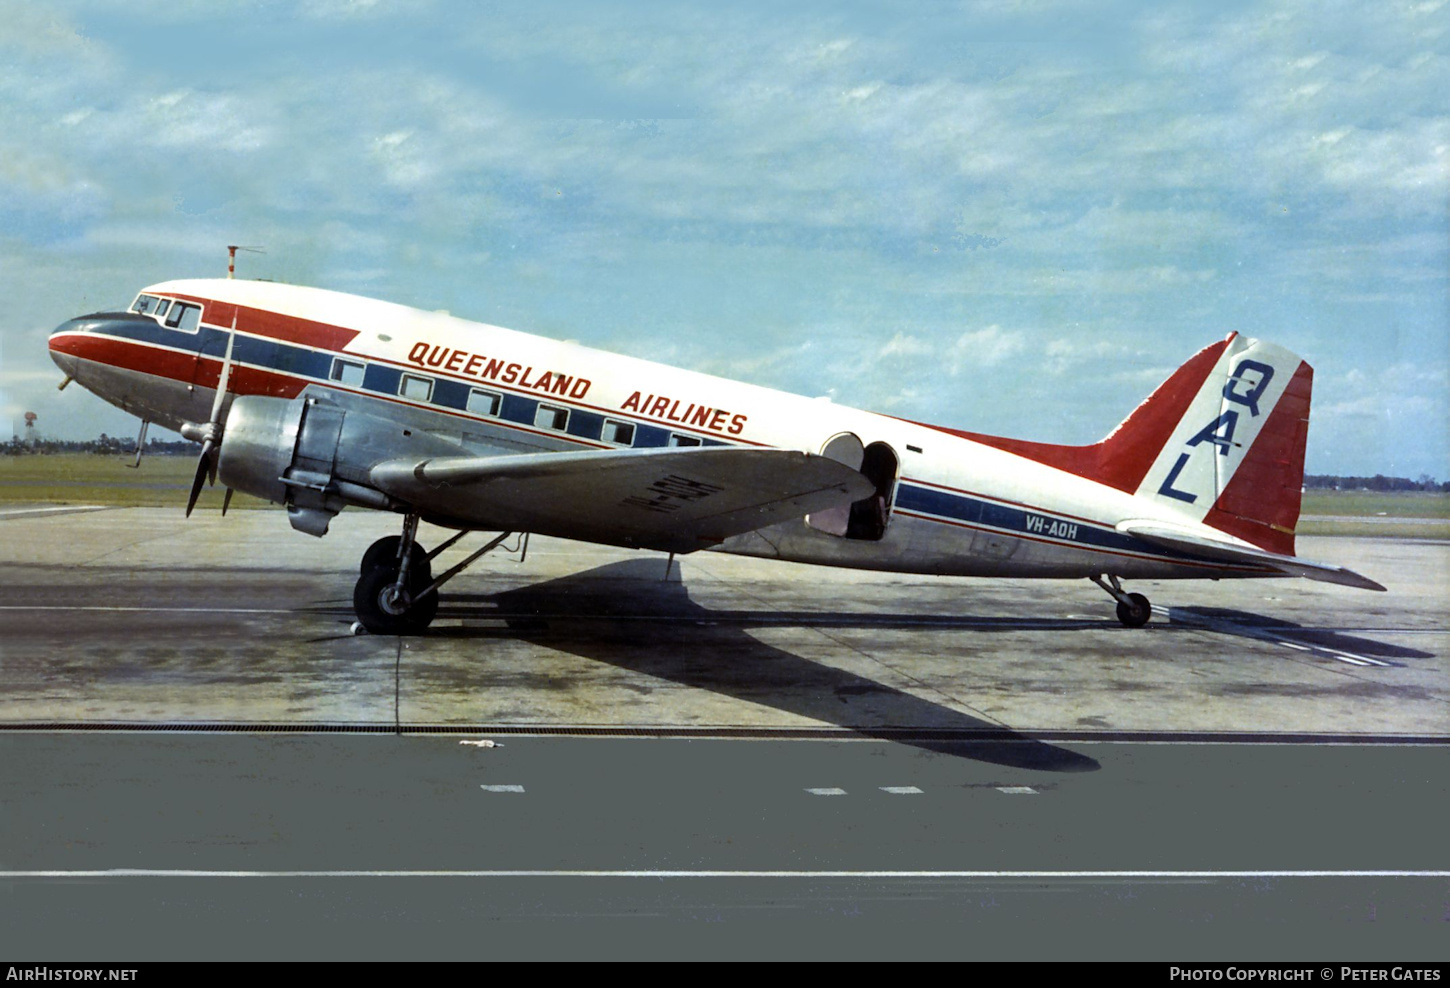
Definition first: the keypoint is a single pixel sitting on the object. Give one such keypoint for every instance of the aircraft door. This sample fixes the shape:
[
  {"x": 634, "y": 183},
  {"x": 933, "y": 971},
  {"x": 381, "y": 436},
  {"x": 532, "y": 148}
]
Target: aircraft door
[
  {"x": 870, "y": 515},
  {"x": 867, "y": 518}
]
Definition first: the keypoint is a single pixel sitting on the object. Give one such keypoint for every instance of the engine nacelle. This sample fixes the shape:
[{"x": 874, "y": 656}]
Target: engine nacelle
[{"x": 314, "y": 456}]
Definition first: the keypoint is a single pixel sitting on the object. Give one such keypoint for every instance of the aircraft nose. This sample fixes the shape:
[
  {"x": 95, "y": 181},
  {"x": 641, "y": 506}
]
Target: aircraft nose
[{"x": 63, "y": 345}]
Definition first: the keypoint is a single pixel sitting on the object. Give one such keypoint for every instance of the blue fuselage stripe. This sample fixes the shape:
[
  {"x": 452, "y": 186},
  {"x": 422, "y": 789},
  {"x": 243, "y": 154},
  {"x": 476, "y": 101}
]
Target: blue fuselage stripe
[{"x": 307, "y": 362}]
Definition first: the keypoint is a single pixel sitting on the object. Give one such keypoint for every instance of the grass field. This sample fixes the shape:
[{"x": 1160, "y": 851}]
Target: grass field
[
  {"x": 162, "y": 482},
  {"x": 1402, "y": 515},
  {"x": 1367, "y": 504},
  {"x": 88, "y": 478}
]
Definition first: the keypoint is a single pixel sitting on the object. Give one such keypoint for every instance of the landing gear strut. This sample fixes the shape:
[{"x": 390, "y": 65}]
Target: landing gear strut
[
  {"x": 396, "y": 593},
  {"x": 390, "y": 597},
  {"x": 1134, "y": 609}
]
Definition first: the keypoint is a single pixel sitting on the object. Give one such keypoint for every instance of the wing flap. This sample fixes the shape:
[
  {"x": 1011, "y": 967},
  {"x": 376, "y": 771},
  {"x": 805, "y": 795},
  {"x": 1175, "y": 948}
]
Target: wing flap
[
  {"x": 675, "y": 500},
  {"x": 1211, "y": 548}
]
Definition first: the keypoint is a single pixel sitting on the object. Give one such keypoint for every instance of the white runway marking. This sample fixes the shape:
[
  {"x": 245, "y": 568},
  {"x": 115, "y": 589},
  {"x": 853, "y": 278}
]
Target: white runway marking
[
  {"x": 22, "y": 512},
  {"x": 705, "y": 873},
  {"x": 901, "y": 790},
  {"x": 1267, "y": 635},
  {"x": 831, "y": 791},
  {"x": 502, "y": 788},
  {"x": 1017, "y": 790}
]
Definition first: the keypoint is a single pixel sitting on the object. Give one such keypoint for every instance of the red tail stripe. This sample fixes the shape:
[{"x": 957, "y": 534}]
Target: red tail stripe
[{"x": 1123, "y": 459}]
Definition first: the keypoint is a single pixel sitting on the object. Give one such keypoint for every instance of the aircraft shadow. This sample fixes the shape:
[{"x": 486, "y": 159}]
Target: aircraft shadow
[
  {"x": 1254, "y": 625},
  {"x": 623, "y": 614}
]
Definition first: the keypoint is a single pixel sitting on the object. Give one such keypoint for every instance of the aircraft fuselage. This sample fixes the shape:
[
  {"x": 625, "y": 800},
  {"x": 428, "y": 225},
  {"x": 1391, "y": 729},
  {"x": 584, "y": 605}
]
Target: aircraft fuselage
[{"x": 948, "y": 504}]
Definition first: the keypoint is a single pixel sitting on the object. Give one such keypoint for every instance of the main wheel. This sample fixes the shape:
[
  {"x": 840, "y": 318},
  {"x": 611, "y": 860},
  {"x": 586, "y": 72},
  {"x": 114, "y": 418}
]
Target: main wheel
[
  {"x": 386, "y": 611},
  {"x": 1136, "y": 614},
  {"x": 384, "y": 552}
]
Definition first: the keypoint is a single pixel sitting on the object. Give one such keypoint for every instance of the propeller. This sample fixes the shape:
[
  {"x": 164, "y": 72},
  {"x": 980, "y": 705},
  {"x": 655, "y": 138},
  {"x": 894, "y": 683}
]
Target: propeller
[{"x": 212, "y": 434}]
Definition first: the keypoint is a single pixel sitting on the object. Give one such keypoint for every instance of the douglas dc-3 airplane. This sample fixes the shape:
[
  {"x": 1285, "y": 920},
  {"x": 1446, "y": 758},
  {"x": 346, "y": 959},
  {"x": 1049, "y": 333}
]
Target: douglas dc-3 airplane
[{"x": 319, "y": 400}]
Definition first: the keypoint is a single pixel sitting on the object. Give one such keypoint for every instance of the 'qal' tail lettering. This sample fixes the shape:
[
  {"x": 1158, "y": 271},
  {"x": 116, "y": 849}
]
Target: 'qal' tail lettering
[{"x": 1235, "y": 458}]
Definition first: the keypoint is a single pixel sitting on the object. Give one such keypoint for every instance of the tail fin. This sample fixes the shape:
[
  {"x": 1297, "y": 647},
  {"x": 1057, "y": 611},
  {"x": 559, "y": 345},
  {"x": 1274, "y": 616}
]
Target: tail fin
[
  {"x": 1221, "y": 442},
  {"x": 1235, "y": 458}
]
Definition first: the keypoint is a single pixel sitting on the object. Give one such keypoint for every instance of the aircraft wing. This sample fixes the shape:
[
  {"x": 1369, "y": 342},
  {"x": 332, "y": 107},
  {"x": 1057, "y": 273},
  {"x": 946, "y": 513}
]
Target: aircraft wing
[
  {"x": 1202, "y": 545},
  {"x": 675, "y": 500}
]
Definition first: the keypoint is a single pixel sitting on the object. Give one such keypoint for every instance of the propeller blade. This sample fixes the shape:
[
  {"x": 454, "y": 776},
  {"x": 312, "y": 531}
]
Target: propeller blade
[
  {"x": 206, "y": 466},
  {"x": 226, "y": 502},
  {"x": 201, "y": 472}
]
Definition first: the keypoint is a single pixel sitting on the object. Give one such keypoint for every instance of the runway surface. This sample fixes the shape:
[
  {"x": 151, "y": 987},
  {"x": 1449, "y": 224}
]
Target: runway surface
[
  {"x": 749, "y": 759},
  {"x": 234, "y": 846}
]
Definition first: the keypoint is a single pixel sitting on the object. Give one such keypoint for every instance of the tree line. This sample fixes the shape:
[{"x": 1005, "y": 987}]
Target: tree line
[
  {"x": 1379, "y": 482},
  {"x": 104, "y": 446}
]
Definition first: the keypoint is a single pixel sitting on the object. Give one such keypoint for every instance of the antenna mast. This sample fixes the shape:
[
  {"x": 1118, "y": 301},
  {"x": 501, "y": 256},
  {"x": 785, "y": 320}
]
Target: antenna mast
[{"x": 232, "y": 257}]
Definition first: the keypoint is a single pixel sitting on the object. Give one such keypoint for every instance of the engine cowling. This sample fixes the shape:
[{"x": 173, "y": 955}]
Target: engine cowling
[{"x": 314, "y": 456}]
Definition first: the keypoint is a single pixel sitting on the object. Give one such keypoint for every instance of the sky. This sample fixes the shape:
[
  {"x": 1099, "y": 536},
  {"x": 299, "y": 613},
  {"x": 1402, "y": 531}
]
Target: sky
[{"x": 1013, "y": 218}]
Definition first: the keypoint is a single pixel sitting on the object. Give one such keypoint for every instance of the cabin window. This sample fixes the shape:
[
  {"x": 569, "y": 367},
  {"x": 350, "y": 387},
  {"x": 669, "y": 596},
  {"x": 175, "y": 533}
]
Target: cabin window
[
  {"x": 484, "y": 402},
  {"x": 551, "y": 417},
  {"x": 183, "y": 316},
  {"x": 676, "y": 439},
  {"x": 619, "y": 433},
  {"x": 348, "y": 372},
  {"x": 415, "y": 387}
]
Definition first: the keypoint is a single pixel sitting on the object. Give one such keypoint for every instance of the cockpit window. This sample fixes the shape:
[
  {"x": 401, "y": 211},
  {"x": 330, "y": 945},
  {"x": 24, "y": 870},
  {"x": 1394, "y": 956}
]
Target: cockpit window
[{"x": 184, "y": 316}]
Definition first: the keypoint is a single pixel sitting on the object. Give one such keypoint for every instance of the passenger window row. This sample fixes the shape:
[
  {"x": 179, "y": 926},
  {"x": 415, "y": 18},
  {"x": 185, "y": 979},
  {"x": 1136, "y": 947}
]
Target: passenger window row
[{"x": 518, "y": 409}]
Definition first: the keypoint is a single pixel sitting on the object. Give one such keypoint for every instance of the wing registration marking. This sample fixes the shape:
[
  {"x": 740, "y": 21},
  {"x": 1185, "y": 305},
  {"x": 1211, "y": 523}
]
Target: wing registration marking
[{"x": 669, "y": 493}]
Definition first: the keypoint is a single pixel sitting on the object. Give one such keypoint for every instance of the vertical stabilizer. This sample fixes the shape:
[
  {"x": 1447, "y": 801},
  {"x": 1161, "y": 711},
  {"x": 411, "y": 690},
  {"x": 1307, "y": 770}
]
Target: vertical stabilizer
[{"x": 1235, "y": 459}]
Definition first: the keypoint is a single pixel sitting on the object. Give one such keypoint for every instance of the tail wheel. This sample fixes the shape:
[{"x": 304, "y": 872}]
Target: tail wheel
[
  {"x": 1135, "y": 612},
  {"x": 383, "y": 609}
]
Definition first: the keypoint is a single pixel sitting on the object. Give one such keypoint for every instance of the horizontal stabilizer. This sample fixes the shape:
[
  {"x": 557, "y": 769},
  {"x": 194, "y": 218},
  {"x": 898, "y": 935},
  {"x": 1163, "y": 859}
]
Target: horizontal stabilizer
[
  {"x": 1230, "y": 552},
  {"x": 671, "y": 499}
]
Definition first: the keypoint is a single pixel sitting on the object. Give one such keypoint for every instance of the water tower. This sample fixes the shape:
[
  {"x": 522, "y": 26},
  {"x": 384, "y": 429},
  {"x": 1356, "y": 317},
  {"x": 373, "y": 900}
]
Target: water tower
[{"x": 30, "y": 418}]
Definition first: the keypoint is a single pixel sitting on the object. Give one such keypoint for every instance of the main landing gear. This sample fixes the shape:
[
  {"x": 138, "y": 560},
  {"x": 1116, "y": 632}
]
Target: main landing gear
[
  {"x": 1134, "y": 610},
  {"x": 396, "y": 593}
]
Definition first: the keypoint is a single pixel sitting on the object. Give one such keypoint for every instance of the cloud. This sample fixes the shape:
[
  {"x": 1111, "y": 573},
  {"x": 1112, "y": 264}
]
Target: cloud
[
  {"x": 811, "y": 197},
  {"x": 986, "y": 347},
  {"x": 905, "y": 345},
  {"x": 39, "y": 29}
]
